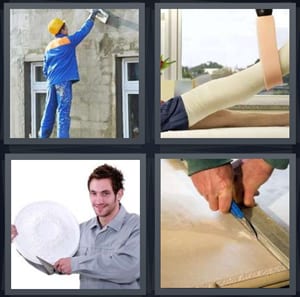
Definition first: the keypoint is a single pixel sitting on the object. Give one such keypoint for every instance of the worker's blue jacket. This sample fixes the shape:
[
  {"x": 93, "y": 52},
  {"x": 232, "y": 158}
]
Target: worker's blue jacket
[{"x": 60, "y": 62}]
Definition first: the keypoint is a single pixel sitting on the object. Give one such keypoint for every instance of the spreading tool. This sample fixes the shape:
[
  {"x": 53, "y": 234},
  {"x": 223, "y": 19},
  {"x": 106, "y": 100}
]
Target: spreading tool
[
  {"x": 238, "y": 213},
  {"x": 102, "y": 15},
  {"x": 49, "y": 267}
]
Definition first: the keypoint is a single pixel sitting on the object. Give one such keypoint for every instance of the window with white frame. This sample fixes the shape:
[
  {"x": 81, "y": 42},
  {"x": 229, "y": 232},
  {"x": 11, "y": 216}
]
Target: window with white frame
[
  {"x": 130, "y": 97},
  {"x": 38, "y": 92},
  {"x": 170, "y": 41}
]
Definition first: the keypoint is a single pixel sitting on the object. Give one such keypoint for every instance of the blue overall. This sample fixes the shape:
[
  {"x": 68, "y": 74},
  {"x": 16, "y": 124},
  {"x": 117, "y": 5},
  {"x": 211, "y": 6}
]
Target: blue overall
[
  {"x": 61, "y": 70},
  {"x": 59, "y": 97}
]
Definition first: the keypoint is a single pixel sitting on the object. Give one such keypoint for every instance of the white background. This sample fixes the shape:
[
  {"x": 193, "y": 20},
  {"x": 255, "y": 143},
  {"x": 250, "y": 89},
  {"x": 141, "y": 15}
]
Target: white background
[{"x": 65, "y": 182}]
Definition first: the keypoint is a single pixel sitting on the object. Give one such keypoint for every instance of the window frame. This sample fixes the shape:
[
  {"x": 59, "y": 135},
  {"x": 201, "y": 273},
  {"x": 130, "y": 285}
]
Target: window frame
[
  {"x": 129, "y": 87},
  {"x": 36, "y": 87}
]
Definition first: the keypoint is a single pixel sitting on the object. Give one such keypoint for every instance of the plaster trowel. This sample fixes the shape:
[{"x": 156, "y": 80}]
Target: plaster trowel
[
  {"x": 49, "y": 267},
  {"x": 102, "y": 15}
]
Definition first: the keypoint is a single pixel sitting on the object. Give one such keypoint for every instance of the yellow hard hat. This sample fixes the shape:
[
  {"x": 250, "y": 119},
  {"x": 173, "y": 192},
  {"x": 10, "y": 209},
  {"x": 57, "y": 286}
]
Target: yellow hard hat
[{"x": 55, "y": 25}]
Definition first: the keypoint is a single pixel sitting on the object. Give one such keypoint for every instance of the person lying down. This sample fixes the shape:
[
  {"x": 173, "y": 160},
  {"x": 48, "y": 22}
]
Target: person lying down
[{"x": 205, "y": 106}]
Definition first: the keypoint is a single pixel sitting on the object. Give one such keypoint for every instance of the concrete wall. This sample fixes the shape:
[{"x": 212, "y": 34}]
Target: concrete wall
[{"x": 93, "y": 112}]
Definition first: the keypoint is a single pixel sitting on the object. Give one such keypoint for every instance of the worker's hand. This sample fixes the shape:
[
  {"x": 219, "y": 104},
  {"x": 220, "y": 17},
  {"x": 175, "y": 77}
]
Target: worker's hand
[
  {"x": 63, "y": 266},
  {"x": 239, "y": 192},
  {"x": 93, "y": 14},
  {"x": 216, "y": 186},
  {"x": 253, "y": 174},
  {"x": 13, "y": 232}
]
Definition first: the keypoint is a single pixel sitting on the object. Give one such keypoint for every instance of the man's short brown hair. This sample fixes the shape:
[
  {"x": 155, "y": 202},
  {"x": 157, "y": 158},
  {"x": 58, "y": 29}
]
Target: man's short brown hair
[{"x": 107, "y": 171}]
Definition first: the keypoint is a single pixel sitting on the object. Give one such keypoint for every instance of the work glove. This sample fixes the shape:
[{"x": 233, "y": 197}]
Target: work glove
[{"x": 93, "y": 14}]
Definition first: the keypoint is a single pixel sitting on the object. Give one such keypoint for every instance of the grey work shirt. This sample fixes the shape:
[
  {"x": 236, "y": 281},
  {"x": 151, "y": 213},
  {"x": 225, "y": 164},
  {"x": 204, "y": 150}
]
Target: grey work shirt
[{"x": 109, "y": 257}]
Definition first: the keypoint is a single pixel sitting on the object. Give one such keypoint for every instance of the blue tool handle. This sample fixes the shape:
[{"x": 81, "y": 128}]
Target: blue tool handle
[{"x": 235, "y": 210}]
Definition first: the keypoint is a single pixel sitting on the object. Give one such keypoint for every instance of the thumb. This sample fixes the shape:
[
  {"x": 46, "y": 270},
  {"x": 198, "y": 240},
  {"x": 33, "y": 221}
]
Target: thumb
[
  {"x": 249, "y": 198},
  {"x": 225, "y": 198},
  {"x": 56, "y": 264}
]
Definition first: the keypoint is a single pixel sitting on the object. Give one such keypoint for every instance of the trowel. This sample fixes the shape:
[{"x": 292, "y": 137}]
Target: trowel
[
  {"x": 49, "y": 267},
  {"x": 102, "y": 16}
]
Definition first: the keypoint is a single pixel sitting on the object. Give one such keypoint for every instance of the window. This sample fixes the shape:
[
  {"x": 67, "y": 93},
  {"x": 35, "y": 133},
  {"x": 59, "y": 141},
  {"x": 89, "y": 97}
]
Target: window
[
  {"x": 36, "y": 97},
  {"x": 170, "y": 41},
  {"x": 130, "y": 97}
]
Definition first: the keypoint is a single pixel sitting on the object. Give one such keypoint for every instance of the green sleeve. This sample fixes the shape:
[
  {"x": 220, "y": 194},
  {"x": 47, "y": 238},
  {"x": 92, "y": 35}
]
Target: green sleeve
[
  {"x": 278, "y": 163},
  {"x": 195, "y": 165}
]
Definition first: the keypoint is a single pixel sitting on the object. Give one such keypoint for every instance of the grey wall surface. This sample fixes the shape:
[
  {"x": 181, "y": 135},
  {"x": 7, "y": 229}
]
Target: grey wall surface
[{"x": 93, "y": 113}]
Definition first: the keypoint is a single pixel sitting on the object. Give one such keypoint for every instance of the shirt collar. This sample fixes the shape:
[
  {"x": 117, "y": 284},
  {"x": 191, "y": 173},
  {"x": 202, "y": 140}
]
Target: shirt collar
[
  {"x": 115, "y": 223},
  {"x": 59, "y": 35}
]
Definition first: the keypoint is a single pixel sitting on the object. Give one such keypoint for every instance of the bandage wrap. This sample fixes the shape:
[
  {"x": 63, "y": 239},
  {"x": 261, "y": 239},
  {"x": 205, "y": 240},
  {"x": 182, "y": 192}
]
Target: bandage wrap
[{"x": 268, "y": 51}]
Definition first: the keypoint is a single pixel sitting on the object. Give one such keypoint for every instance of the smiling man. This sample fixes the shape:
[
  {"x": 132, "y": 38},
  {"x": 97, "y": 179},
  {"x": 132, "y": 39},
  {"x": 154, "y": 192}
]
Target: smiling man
[{"x": 109, "y": 250}]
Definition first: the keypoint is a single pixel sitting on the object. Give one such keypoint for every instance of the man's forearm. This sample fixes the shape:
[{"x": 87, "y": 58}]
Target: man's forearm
[
  {"x": 77, "y": 37},
  {"x": 118, "y": 268},
  {"x": 121, "y": 265}
]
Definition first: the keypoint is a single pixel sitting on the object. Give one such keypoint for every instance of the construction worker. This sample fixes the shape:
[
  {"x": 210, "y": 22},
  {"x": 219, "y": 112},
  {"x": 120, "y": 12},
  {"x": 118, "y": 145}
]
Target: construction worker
[{"x": 61, "y": 71}]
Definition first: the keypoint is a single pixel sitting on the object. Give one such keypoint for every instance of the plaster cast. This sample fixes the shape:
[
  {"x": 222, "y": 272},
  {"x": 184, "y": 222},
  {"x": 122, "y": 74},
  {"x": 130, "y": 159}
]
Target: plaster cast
[
  {"x": 268, "y": 51},
  {"x": 228, "y": 91}
]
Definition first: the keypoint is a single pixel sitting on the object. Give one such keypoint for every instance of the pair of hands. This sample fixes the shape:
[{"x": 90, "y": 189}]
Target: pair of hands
[
  {"x": 222, "y": 184},
  {"x": 62, "y": 265}
]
